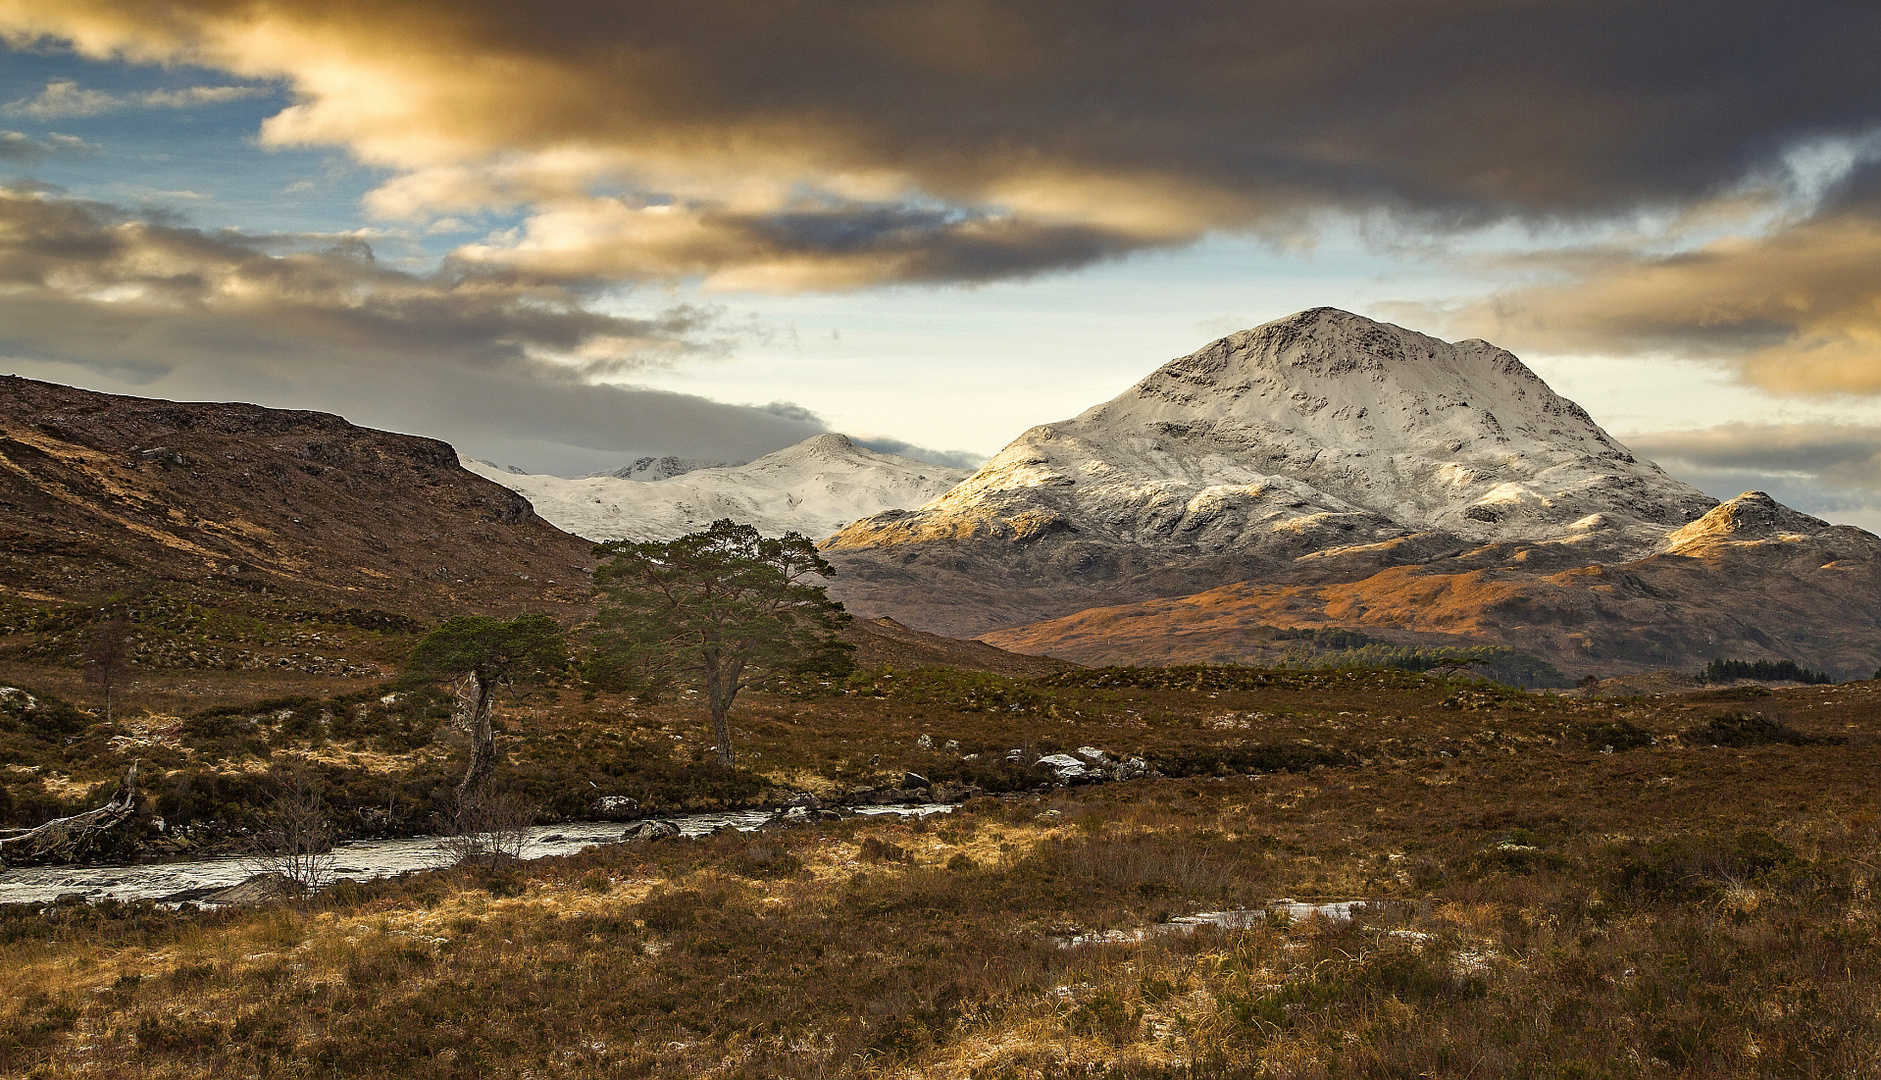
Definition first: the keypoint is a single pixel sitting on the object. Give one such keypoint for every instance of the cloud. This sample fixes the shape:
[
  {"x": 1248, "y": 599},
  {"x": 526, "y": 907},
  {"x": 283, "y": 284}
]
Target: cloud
[
  {"x": 1830, "y": 470},
  {"x": 952, "y": 459},
  {"x": 790, "y": 248},
  {"x": 130, "y": 303},
  {"x": 1796, "y": 310},
  {"x": 1839, "y": 455},
  {"x": 19, "y": 146},
  {"x": 830, "y": 145},
  {"x": 64, "y": 98},
  {"x": 790, "y": 410}
]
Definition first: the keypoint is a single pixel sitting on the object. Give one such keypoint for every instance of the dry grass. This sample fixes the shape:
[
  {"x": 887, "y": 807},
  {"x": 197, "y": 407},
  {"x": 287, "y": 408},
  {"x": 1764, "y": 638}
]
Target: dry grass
[
  {"x": 1556, "y": 913},
  {"x": 1665, "y": 909}
]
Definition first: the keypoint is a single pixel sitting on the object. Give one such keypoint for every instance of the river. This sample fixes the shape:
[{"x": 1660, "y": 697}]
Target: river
[{"x": 360, "y": 860}]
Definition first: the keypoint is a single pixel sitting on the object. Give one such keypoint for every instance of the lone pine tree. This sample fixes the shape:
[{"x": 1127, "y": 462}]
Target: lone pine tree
[{"x": 726, "y": 606}]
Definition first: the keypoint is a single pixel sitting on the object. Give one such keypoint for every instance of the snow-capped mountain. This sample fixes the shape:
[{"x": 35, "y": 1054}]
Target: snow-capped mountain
[
  {"x": 814, "y": 488},
  {"x": 1328, "y": 470},
  {"x": 1320, "y": 430}
]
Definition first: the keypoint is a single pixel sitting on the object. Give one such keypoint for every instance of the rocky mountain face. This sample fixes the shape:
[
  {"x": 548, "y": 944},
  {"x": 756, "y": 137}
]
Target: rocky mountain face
[
  {"x": 1325, "y": 469},
  {"x": 814, "y": 488},
  {"x": 99, "y": 492}
]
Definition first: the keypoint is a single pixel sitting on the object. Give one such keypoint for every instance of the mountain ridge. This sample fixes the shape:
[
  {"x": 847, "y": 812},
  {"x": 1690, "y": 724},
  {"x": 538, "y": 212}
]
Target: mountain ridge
[
  {"x": 103, "y": 491},
  {"x": 813, "y": 487},
  {"x": 1330, "y": 470},
  {"x": 1285, "y": 436}
]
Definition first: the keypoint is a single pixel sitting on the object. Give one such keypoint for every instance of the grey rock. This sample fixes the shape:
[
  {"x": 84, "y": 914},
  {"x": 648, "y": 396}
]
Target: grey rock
[
  {"x": 616, "y": 807},
  {"x": 1067, "y": 769},
  {"x": 651, "y": 829},
  {"x": 951, "y": 793}
]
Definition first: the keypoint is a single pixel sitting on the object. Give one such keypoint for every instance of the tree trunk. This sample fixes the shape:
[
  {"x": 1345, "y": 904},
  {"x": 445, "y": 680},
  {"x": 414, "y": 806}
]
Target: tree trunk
[
  {"x": 721, "y": 686},
  {"x": 71, "y": 839},
  {"x": 482, "y": 740}
]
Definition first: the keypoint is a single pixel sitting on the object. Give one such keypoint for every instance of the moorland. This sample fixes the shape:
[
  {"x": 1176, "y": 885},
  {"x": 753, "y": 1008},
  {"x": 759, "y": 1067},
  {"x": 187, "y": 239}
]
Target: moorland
[{"x": 1555, "y": 884}]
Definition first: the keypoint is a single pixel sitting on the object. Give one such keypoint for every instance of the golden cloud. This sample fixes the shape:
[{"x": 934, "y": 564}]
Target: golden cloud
[
  {"x": 1029, "y": 134},
  {"x": 1798, "y": 310}
]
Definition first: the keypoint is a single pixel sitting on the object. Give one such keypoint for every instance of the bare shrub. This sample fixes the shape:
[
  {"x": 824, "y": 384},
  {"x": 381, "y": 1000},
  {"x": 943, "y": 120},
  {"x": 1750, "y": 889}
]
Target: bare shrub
[
  {"x": 490, "y": 826},
  {"x": 295, "y": 842}
]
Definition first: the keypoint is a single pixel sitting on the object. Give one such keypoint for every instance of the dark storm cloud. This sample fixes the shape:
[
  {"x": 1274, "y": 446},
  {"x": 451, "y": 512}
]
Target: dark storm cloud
[
  {"x": 499, "y": 369},
  {"x": 800, "y": 145},
  {"x": 952, "y": 459}
]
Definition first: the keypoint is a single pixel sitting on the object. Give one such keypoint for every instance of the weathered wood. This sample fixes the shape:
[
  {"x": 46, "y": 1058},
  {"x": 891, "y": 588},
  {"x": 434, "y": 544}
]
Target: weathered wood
[{"x": 79, "y": 837}]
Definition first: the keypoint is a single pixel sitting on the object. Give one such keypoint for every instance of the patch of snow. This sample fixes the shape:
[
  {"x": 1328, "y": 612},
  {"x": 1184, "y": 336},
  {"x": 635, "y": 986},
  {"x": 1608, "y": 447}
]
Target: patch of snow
[{"x": 814, "y": 488}]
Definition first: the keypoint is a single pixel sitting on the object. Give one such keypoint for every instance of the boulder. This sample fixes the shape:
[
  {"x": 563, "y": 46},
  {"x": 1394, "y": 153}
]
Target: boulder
[
  {"x": 914, "y": 780},
  {"x": 1067, "y": 769},
  {"x": 651, "y": 829},
  {"x": 616, "y": 808},
  {"x": 257, "y": 890},
  {"x": 787, "y": 818},
  {"x": 950, "y": 793},
  {"x": 1133, "y": 769}
]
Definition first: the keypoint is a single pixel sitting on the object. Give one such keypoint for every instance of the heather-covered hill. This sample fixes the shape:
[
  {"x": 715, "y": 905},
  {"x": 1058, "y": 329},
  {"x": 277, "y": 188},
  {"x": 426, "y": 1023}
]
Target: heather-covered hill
[{"x": 100, "y": 492}]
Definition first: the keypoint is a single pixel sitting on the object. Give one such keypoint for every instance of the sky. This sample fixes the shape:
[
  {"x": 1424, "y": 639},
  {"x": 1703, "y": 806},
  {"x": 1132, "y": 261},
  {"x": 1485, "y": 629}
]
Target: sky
[{"x": 564, "y": 235}]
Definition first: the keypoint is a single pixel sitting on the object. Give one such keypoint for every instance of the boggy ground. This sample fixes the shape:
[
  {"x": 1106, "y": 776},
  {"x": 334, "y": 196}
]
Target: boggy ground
[{"x": 1566, "y": 888}]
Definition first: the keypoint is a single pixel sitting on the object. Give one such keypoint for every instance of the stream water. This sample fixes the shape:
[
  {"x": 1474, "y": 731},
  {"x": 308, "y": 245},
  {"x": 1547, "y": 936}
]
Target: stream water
[{"x": 359, "y": 860}]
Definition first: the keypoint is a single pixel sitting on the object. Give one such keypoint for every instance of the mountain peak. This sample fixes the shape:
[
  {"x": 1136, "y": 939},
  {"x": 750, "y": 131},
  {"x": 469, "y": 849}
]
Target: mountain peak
[
  {"x": 1753, "y": 517},
  {"x": 1320, "y": 429}
]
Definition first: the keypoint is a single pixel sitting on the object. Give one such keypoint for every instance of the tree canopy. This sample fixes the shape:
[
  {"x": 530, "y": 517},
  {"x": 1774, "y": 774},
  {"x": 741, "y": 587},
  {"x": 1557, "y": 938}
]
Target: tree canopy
[
  {"x": 726, "y": 606},
  {"x": 492, "y": 652}
]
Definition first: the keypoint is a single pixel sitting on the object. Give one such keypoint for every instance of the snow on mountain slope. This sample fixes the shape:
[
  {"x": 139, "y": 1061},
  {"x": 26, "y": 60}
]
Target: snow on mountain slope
[
  {"x": 663, "y": 468},
  {"x": 1320, "y": 430},
  {"x": 814, "y": 487}
]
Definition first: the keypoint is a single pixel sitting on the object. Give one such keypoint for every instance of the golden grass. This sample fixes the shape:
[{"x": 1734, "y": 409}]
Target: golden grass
[{"x": 1728, "y": 929}]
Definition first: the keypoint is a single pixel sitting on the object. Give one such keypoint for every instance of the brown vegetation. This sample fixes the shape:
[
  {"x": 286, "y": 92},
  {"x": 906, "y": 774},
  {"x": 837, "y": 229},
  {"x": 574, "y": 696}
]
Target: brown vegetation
[
  {"x": 103, "y": 493},
  {"x": 1544, "y": 908},
  {"x": 1791, "y": 599},
  {"x": 1563, "y": 887}
]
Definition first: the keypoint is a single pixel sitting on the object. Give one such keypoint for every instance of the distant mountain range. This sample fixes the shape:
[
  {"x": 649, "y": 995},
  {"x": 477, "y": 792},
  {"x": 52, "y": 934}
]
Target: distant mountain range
[{"x": 814, "y": 488}]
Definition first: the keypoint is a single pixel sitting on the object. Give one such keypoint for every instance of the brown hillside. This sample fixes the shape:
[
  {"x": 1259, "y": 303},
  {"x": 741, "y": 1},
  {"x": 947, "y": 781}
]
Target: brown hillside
[
  {"x": 887, "y": 643},
  {"x": 99, "y": 491},
  {"x": 1761, "y": 595}
]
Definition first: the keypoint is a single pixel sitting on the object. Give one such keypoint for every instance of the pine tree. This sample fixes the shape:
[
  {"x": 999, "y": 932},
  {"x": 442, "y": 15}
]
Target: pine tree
[{"x": 725, "y": 606}]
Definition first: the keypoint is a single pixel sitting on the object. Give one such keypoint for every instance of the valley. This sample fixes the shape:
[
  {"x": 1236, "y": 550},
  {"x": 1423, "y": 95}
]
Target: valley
[{"x": 1197, "y": 675}]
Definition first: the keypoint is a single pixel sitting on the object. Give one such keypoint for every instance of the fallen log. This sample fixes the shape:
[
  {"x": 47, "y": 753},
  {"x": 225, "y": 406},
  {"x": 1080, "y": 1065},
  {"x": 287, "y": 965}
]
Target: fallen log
[{"x": 79, "y": 837}]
